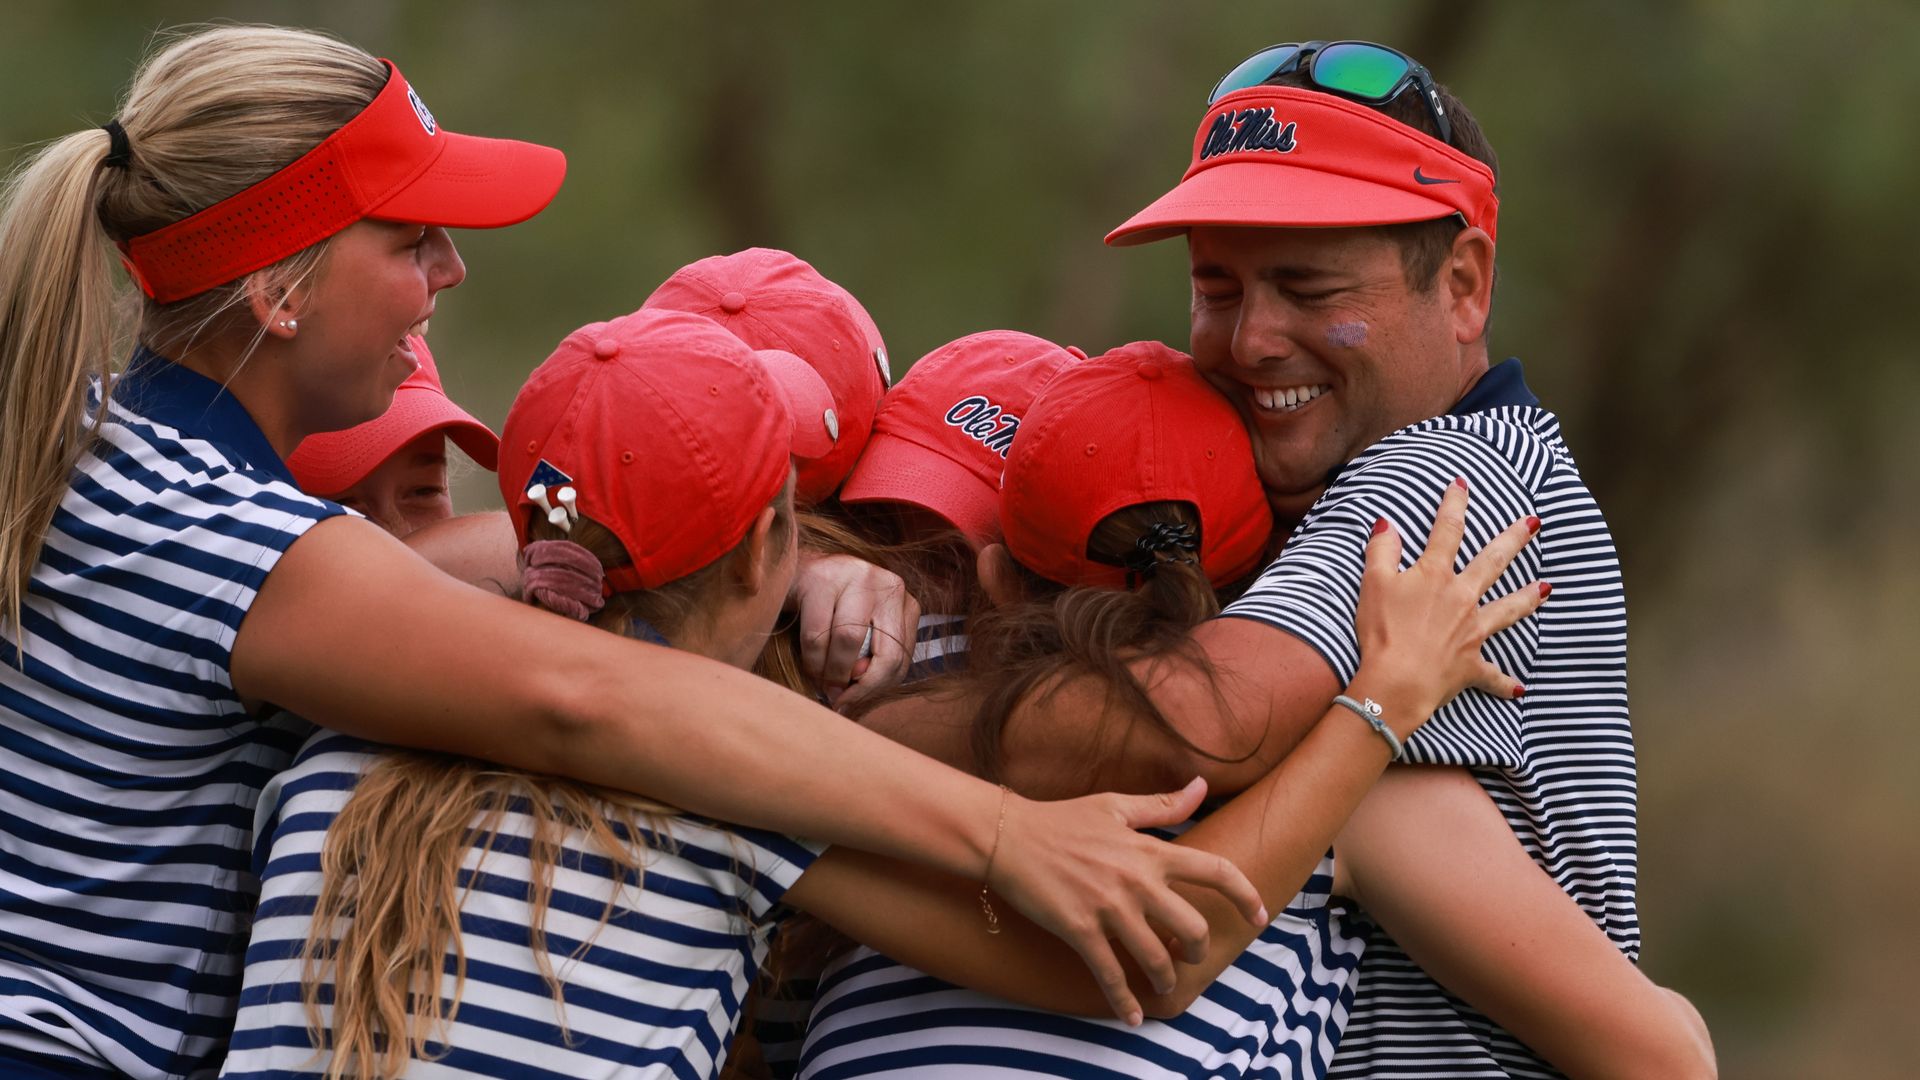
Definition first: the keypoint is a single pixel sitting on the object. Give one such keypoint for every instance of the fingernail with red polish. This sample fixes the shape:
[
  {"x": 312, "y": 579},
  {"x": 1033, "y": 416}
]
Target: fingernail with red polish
[
  {"x": 1379, "y": 526},
  {"x": 1546, "y": 587},
  {"x": 1519, "y": 691},
  {"x": 1460, "y": 482},
  {"x": 1533, "y": 524}
]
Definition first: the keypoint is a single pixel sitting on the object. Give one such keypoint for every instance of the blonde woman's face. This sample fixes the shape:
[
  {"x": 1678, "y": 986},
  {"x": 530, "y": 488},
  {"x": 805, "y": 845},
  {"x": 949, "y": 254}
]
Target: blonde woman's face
[{"x": 378, "y": 284}]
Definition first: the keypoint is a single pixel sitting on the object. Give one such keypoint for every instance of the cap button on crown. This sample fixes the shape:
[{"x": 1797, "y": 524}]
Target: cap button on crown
[
  {"x": 606, "y": 348},
  {"x": 1149, "y": 369},
  {"x": 733, "y": 302}
]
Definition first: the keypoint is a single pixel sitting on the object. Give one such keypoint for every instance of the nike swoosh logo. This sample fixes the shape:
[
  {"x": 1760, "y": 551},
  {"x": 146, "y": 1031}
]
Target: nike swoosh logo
[{"x": 1422, "y": 178}]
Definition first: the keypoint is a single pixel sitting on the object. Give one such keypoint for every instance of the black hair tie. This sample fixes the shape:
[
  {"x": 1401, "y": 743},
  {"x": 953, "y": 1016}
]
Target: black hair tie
[
  {"x": 120, "y": 154},
  {"x": 1165, "y": 542}
]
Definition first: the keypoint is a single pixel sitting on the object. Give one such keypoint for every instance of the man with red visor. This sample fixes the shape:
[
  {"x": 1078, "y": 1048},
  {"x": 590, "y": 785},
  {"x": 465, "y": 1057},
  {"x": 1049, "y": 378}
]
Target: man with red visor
[{"x": 1340, "y": 213}]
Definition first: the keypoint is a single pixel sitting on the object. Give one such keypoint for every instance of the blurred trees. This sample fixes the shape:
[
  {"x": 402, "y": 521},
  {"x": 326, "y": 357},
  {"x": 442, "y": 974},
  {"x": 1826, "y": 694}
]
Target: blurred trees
[{"x": 1706, "y": 222}]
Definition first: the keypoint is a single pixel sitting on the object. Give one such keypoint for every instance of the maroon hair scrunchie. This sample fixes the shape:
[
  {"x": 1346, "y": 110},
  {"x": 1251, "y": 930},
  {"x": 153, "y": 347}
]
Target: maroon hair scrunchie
[{"x": 564, "y": 577}]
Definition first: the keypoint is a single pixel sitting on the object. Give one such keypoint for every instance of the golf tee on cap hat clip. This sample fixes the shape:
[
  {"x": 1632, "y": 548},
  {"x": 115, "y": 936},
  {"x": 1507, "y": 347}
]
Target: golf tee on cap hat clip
[
  {"x": 1287, "y": 157},
  {"x": 392, "y": 162},
  {"x": 664, "y": 428}
]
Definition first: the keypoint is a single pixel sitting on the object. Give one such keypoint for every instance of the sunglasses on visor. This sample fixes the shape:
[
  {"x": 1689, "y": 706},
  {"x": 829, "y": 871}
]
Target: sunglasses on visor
[{"x": 1360, "y": 70}]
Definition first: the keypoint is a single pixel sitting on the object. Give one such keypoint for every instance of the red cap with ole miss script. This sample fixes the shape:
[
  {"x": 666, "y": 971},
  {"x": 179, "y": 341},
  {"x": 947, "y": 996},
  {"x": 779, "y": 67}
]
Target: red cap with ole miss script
[
  {"x": 1288, "y": 157},
  {"x": 772, "y": 299},
  {"x": 940, "y": 439},
  {"x": 1134, "y": 425},
  {"x": 392, "y": 162},
  {"x": 666, "y": 429}
]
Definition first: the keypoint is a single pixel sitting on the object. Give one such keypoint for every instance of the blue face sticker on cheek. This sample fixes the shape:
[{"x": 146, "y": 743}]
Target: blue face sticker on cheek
[{"x": 1347, "y": 335}]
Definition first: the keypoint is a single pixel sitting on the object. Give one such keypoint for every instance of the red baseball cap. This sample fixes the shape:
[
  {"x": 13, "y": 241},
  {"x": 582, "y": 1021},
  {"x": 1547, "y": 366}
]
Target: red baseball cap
[
  {"x": 1134, "y": 425},
  {"x": 330, "y": 463},
  {"x": 668, "y": 430},
  {"x": 940, "y": 438},
  {"x": 1283, "y": 156},
  {"x": 772, "y": 299},
  {"x": 392, "y": 162}
]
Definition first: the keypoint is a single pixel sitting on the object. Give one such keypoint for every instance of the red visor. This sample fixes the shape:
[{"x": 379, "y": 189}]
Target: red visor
[
  {"x": 392, "y": 162},
  {"x": 1286, "y": 157}
]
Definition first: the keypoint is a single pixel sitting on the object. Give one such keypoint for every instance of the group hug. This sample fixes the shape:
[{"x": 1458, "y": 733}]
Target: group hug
[{"x": 1250, "y": 708}]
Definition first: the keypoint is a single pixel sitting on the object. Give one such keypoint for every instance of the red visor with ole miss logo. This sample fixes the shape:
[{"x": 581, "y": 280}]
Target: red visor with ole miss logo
[
  {"x": 391, "y": 162},
  {"x": 1287, "y": 157}
]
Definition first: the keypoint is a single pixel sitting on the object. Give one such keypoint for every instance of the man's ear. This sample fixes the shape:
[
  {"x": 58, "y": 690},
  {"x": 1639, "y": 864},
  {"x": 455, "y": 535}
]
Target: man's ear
[
  {"x": 999, "y": 578},
  {"x": 749, "y": 569},
  {"x": 1467, "y": 278}
]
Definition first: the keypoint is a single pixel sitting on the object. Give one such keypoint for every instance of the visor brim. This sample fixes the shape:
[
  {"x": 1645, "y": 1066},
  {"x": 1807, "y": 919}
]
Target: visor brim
[
  {"x": 478, "y": 183},
  {"x": 1265, "y": 194}
]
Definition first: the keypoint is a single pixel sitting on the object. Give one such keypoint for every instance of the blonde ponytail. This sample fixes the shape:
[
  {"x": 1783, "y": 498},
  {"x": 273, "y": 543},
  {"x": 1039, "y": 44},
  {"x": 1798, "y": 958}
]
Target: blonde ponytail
[
  {"x": 209, "y": 114},
  {"x": 56, "y": 331}
]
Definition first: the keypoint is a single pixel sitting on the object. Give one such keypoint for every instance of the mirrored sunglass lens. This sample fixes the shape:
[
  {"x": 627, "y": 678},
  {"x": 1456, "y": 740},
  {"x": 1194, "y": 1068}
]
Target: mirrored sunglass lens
[
  {"x": 1361, "y": 70},
  {"x": 1254, "y": 70}
]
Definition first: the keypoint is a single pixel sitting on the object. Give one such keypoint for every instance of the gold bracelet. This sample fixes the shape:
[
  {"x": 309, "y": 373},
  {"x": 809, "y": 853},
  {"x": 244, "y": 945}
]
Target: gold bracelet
[{"x": 993, "y": 921}]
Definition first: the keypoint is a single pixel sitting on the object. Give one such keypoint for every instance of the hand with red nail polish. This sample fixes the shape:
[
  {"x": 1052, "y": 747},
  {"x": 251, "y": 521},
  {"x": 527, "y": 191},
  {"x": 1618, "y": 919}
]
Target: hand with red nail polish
[{"x": 1421, "y": 629}]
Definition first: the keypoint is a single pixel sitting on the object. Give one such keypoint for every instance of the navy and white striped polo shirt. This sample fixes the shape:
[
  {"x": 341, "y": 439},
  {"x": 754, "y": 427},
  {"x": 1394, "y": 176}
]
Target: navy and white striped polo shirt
[
  {"x": 128, "y": 767},
  {"x": 655, "y": 991},
  {"x": 1276, "y": 1012},
  {"x": 1559, "y": 763},
  {"x": 939, "y": 646},
  {"x": 782, "y": 1007}
]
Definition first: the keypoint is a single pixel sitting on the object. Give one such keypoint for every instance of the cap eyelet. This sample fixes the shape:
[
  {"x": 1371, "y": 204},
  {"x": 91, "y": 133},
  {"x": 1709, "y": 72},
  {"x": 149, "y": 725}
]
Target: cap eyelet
[
  {"x": 626, "y": 457},
  {"x": 533, "y": 447},
  {"x": 1092, "y": 449}
]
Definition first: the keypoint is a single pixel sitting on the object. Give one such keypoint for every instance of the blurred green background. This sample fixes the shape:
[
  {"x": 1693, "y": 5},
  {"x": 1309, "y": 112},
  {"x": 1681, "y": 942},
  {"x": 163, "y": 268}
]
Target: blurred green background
[{"x": 1707, "y": 245}]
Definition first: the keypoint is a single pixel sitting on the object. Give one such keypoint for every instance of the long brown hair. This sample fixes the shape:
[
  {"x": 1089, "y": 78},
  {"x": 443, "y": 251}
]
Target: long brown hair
[
  {"x": 390, "y": 899},
  {"x": 1054, "y": 634},
  {"x": 209, "y": 114}
]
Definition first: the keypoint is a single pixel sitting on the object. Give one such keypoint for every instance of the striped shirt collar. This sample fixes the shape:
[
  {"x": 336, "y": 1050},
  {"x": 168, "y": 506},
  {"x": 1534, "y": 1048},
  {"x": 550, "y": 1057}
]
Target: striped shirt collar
[
  {"x": 166, "y": 393},
  {"x": 1503, "y": 384}
]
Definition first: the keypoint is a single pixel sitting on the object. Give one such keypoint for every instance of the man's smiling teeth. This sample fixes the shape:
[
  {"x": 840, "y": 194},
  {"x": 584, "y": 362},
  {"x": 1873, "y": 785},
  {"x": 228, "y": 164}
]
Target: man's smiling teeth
[
  {"x": 1286, "y": 399},
  {"x": 419, "y": 328}
]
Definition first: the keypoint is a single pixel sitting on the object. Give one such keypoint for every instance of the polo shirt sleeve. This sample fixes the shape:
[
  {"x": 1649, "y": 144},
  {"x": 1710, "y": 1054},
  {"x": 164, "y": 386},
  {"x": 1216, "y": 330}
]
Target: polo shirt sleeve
[
  {"x": 1312, "y": 590},
  {"x": 764, "y": 864}
]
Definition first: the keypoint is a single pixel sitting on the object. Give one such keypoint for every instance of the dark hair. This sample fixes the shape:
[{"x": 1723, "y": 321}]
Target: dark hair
[
  {"x": 1059, "y": 634},
  {"x": 1424, "y": 244}
]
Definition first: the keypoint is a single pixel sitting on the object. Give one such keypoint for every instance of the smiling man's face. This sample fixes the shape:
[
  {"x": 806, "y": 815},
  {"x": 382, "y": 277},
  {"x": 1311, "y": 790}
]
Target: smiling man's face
[{"x": 1322, "y": 346}]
